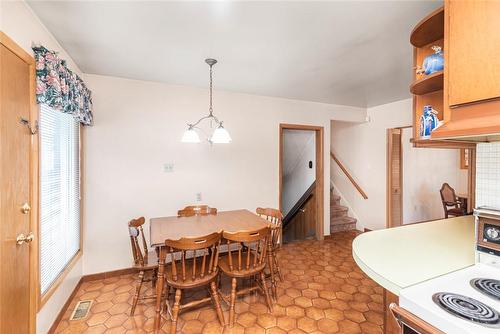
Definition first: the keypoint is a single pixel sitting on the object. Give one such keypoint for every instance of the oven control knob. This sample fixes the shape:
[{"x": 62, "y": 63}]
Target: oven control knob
[{"x": 493, "y": 233}]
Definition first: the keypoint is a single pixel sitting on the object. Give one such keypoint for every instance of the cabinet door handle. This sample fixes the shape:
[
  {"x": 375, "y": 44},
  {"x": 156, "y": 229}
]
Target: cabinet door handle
[
  {"x": 25, "y": 208},
  {"x": 22, "y": 238}
]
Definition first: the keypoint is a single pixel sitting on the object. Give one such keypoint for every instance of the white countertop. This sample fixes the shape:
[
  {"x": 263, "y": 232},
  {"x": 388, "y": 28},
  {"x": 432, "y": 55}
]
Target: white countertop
[{"x": 399, "y": 257}]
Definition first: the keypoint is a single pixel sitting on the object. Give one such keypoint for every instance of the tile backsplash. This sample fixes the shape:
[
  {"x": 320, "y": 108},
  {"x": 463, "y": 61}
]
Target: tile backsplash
[{"x": 488, "y": 174}]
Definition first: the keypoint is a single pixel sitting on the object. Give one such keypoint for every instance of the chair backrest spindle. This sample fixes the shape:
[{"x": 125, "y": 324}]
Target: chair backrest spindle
[
  {"x": 196, "y": 210},
  {"x": 275, "y": 217},
  {"x": 188, "y": 251},
  {"x": 135, "y": 232},
  {"x": 247, "y": 243}
]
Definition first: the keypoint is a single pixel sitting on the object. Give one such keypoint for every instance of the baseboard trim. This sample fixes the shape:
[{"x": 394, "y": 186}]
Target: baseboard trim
[
  {"x": 59, "y": 317},
  {"x": 87, "y": 278},
  {"x": 108, "y": 274}
]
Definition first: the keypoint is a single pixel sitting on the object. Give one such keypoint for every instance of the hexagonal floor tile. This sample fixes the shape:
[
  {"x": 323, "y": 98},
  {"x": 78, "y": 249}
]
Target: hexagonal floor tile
[{"x": 323, "y": 292}]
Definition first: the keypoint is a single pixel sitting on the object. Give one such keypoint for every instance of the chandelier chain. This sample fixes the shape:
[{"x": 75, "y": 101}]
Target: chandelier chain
[{"x": 210, "y": 109}]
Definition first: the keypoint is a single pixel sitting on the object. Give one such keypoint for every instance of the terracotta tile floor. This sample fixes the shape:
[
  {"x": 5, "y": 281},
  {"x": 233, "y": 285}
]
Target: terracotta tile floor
[{"x": 323, "y": 292}]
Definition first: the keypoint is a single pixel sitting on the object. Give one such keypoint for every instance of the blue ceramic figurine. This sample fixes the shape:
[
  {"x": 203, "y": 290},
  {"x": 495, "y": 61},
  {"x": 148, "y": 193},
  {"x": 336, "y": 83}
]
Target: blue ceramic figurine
[
  {"x": 428, "y": 122},
  {"x": 434, "y": 62}
]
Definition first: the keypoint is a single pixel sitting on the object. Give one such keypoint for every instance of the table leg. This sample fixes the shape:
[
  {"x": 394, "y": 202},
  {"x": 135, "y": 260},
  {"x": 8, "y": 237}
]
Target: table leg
[{"x": 159, "y": 287}]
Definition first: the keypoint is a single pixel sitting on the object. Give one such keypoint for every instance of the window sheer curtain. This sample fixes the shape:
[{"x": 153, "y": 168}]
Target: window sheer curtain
[{"x": 59, "y": 193}]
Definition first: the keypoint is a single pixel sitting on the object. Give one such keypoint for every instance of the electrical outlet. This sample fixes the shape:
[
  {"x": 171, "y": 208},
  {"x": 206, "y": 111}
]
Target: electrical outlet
[
  {"x": 198, "y": 197},
  {"x": 168, "y": 167}
]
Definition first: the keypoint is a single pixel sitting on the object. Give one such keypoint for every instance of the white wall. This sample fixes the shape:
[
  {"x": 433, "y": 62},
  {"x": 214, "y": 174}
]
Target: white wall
[
  {"x": 299, "y": 147},
  {"x": 362, "y": 149},
  {"x": 424, "y": 171},
  {"x": 19, "y": 23},
  {"x": 138, "y": 126}
]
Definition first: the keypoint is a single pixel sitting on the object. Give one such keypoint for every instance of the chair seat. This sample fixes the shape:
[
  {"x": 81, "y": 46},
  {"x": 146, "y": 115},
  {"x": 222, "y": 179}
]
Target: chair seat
[
  {"x": 150, "y": 261},
  {"x": 224, "y": 266},
  {"x": 188, "y": 282},
  {"x": 456, "y": 211}
]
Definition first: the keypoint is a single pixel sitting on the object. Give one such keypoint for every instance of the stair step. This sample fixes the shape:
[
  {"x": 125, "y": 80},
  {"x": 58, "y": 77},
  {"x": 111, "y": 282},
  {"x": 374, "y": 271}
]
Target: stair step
[
  {"x": 342, "y": 227},
  {"x": 338, "y": 211},
  {"x": 338, "y": 208},
  {"x": 343, "y": 220}
]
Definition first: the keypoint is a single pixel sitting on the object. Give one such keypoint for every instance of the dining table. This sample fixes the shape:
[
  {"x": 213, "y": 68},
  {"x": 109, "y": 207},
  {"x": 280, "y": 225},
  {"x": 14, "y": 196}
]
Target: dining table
[
  {"x": 463, "y": 199},
  {"x": 174, "y": 228}
]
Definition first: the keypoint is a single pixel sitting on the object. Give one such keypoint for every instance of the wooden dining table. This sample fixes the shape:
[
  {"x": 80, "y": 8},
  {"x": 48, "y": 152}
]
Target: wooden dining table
[
  {"x": 464, "y": 198},
  {"x": 163, "y": 228}
]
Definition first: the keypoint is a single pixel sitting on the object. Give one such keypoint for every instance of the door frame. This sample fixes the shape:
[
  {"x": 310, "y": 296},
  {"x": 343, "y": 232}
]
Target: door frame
[
  {"x": 319, "y": 190},
  {"x": 7, "y": 42},
  {"x": 471, "y": 174},
  {"x": 389, "y": 222}
]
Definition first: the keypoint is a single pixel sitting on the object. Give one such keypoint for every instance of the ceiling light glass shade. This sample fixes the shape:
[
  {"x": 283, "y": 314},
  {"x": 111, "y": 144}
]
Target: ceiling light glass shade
[
  {"x": 190, "y": 136},
  {"x": 220, "y": 136}
]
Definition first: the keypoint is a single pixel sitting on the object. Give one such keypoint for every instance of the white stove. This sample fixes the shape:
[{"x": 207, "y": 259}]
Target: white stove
[
  {"x": 466, "y": 301},
  {"x": 447, "y": 301}
]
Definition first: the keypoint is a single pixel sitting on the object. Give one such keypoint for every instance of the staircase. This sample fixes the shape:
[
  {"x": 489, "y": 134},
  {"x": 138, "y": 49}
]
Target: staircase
[{"x": 339, "y": 219}]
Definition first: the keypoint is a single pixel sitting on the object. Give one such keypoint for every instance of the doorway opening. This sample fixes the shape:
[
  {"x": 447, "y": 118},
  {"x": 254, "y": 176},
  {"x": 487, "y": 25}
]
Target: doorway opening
[
  {"x": 416, "y": 177},
  {"x": 301, "y": 185}
]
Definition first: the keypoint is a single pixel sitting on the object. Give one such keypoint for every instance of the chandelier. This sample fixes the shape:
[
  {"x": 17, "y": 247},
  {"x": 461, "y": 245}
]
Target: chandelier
[{"x": 220, "y": 135}]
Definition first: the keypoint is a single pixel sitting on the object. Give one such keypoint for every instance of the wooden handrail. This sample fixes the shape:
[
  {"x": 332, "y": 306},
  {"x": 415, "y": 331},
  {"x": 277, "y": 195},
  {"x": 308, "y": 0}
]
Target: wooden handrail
[{"x": 354, "y": 183}]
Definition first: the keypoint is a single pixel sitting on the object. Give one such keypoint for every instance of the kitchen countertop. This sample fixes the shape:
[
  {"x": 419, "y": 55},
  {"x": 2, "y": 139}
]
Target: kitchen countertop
[{"x": 399, "y": 257}]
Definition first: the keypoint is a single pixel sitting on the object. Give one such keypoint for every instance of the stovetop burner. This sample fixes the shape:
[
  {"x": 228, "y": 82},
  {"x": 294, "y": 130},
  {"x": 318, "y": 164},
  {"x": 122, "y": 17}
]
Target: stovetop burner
[
  {"x": 487, "y": 286},
  {"x": 467, "y": 308}
]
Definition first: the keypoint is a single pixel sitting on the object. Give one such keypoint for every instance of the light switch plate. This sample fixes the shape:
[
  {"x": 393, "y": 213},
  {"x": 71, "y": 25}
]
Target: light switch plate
[
  {"x": 168, "y": 167},
  {"x": 198, "y": 197}
]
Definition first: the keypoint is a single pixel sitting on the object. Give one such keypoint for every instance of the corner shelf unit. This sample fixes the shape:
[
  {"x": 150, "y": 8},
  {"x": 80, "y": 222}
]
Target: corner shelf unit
[
  {"x": 427, "y": 89},
  {"x": 429, "y": 29},
  {"x": 428, "y": 84}
]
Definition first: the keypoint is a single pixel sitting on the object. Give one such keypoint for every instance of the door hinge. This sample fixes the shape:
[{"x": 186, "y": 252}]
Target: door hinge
[{"x": 33, "y": 130}]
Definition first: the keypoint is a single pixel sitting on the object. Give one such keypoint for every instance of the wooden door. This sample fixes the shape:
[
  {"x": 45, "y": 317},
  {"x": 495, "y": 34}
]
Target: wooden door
[
  {"x": 16, "y": 275},
  {"x": 394, "y": 178},
  {"x": 473, "y": 55},
  {"x": 303, "y": 225}
]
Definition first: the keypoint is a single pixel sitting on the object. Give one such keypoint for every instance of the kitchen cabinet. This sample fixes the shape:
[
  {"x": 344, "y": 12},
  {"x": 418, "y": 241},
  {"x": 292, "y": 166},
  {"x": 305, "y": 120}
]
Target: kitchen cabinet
[
  {"x": 466, "y": 94},
  {"x": 390, "y": 324},
  {"x": 473, "y": 51}
]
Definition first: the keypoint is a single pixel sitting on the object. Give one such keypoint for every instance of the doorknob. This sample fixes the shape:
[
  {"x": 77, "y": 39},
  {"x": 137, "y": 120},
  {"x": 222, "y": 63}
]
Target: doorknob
[
  {"x": 25, "y": 208},
  {"x": 21, "y": 238}
]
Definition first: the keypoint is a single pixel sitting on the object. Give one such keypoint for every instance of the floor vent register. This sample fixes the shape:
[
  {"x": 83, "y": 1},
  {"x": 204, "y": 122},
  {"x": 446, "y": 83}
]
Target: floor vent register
[{"x": 82, "y": 309}]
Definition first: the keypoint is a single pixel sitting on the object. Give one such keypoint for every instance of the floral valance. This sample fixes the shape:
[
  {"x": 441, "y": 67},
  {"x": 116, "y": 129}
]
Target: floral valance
[{"x": 58, "y": 87}]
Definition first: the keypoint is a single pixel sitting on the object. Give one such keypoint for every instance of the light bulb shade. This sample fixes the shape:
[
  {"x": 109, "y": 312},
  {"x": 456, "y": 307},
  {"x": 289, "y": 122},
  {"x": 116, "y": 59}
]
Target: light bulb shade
[
  {"x": 190, "y": 136},
  {"x": 220, "y": 136}
]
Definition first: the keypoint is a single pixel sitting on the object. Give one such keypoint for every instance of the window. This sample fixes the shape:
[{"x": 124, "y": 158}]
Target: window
[{"x": 59, "y": 193}]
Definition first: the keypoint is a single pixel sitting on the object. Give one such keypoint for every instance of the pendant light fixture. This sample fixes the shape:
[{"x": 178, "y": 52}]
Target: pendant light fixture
[{"x": 220, "y": 134}]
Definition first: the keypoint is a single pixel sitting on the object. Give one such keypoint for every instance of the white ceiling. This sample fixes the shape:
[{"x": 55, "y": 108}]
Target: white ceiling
[{"x": 352, "y": 53}]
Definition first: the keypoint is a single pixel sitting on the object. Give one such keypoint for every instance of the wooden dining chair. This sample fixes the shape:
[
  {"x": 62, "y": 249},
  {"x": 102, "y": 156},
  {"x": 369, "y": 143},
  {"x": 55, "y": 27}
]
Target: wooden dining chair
[
  {"x": 275, "y": 217},
  {"x": 194, "y": 263},
  {"x": 144, "y": 260},
  {"x": 194, "y": 210},
  {"x": 452, "y": 205},
  {"x": 246, "y": 258}
]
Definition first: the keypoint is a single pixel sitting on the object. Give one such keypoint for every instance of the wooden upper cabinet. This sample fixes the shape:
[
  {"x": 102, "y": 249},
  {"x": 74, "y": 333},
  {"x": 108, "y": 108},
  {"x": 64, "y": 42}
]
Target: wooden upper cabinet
[
  {"x": 471, "y": 101},
  {"x": 473, "y": 53}
]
